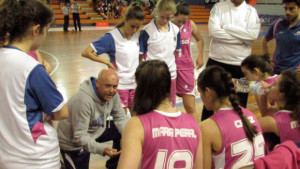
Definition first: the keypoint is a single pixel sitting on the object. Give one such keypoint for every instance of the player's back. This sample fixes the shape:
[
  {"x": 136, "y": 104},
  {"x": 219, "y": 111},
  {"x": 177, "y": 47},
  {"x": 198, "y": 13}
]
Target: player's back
[
  {"x": 288, "y": 128},
  {"x": 170, "y": 140},
  {"x": 236, "y": 150}
]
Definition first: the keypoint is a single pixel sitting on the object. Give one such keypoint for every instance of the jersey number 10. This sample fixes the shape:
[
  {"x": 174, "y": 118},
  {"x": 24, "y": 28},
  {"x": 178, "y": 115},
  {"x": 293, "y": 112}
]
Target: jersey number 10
[{"x": 178, "y": 155}]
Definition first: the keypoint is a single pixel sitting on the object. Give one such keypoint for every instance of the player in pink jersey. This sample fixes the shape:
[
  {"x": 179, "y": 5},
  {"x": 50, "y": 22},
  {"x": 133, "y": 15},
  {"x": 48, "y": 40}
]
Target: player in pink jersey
[
  {"x": 185, "y": 82},
  {"x": 286, "y": 93},
  {"x": 159, "y": 137},
  {"x": 232, "y": 136},
  {"x": 258, "y": 68}
]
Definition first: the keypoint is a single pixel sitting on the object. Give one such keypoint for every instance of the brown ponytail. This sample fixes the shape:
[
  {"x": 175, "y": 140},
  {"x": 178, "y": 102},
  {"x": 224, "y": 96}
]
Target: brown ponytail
[{"x": 220, "y": 81}]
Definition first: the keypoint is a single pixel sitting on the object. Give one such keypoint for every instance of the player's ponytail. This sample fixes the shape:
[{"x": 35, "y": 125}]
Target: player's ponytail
[
  {"x": 217, "y": 79},
  {"x": 250, "y": 130}
]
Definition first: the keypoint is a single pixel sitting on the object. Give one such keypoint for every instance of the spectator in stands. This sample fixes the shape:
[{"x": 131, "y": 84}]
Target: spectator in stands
[
  {"x": 233, "y": 25},
  {"x": 104, "y": 6},
  {"x": 119, "y": 10},
  {"x": 286, "y": 32},
  {"x": 76, "y": 18},
  {"x": 66, "y": 9},
  {"x": 109, "y": 11},
  {"x": 100, "y": 9}
]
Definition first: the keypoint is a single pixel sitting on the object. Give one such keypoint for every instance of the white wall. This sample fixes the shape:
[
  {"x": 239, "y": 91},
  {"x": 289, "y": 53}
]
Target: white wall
[{"x": 270, "y": 7}]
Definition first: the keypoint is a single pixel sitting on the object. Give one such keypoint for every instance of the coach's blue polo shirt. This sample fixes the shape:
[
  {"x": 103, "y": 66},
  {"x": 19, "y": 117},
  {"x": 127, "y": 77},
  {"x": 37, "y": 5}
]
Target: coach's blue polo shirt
[{"x": 287, "y": 52}]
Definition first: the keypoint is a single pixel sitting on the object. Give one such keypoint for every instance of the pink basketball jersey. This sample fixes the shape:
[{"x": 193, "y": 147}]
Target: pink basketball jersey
[
  {"x": 271, "y": 80},
  {"x": 33, "y": 54},
  {"x": 288, "y": 127},
  {"x": 170, "y": 140},
  {"x": 183, "y": 58},
  {"x": 236, "y": 150}
]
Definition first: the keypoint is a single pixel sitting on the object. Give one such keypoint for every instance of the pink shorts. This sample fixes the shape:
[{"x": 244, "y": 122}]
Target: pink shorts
[
  {"x": 185, "y": 83},
  {"x": 126, "y": 97},
  {"x": 173, "y": 92}
]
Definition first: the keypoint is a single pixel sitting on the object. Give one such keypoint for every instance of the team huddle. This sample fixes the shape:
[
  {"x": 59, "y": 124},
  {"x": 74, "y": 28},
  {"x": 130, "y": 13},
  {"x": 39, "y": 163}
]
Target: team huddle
[{"x": 133, "y": 101}]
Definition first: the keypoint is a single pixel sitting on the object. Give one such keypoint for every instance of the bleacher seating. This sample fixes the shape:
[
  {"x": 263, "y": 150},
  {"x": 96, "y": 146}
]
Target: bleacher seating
[{"x": 199, "y": 14}]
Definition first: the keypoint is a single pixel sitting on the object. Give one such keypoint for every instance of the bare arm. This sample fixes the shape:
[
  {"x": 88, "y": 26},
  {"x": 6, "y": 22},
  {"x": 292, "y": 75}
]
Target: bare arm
[
  {"x": 200, "y": 43},
  {"x": 264, "y": 106},
  {"x": 90, "y": 54},
  {"x": 199, "y": 156},
  {"x": 268, "y": 124},
  {"x": 61, "y": 114},
  {"x": 132, "y": 141},
  {"x": 44, "y": 62},
  {"x": 212, "y": 141},
  {"x": 264, "y": 46},
  {"x": 207, "y": 145}
]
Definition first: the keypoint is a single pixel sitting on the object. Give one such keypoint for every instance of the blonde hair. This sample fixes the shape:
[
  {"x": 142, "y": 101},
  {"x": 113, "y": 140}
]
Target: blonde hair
[{"x": 165, "y": 5}]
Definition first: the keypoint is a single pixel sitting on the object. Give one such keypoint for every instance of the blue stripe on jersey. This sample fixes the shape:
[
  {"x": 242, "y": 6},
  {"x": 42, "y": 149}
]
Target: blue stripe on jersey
[
  {"x": 11, "y": 47},
  {"x": 106, "y": 44},
  {"x": 41, "y": 95},
  {"x": 93, "y": 80},
  {"x": 178, "y": 41},
  {"x": 143, "y": 39}
]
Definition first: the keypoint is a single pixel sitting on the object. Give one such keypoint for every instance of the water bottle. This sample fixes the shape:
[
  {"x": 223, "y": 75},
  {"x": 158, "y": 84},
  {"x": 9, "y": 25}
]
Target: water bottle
[
  {"x": 255, "y": 88},
  {"x": 245, "y": 86}
]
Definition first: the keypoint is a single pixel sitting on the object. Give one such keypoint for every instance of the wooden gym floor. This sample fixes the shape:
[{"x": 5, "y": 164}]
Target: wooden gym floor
[{"x": 63, "y": 52}]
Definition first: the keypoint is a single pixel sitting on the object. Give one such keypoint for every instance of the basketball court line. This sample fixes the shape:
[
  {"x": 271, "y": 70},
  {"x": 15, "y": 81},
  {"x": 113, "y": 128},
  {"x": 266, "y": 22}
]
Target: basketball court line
[{"x": 56, "y": 60}]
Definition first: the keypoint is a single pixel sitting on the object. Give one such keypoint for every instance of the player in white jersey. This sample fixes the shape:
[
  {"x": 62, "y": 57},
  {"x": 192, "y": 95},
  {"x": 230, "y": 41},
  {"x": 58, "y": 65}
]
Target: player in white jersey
[
  {"x": 161, "y": 38},
  {"x": 29, "y": 98},
  {"x": 122, "y": 46},
  {"x": 159, "y": 137}
]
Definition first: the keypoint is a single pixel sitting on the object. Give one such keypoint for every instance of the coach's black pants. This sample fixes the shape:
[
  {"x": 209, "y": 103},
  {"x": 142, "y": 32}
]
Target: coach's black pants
[{"x": 81, "y": 158}]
